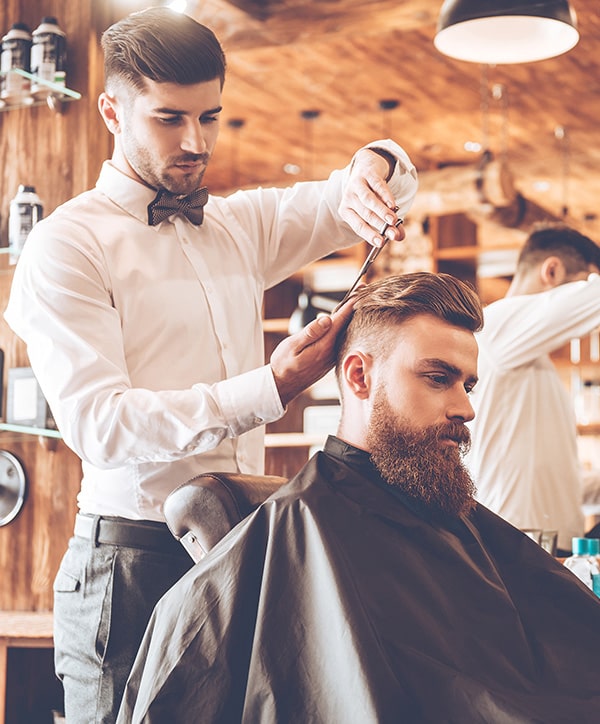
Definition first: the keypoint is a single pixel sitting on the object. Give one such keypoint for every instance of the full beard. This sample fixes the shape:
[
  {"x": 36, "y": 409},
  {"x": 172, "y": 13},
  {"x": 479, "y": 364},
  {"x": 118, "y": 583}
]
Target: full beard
[{"x": 418, "y": 463}]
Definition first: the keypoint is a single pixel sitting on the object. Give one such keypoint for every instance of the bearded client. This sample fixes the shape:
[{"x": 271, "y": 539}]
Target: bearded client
[{"x": 372, "y": 587}]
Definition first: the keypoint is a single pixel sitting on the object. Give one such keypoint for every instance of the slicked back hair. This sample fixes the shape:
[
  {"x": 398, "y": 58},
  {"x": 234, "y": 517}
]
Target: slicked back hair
[
  {"x": 389, "y": 302},
  {"x": 162, "y": 45}
]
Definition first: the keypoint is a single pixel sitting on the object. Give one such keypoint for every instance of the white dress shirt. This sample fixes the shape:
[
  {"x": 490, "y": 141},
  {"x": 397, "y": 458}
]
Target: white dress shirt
[
  {"x": 524, "y": 457},
  {"x": 147, "y": 341}
]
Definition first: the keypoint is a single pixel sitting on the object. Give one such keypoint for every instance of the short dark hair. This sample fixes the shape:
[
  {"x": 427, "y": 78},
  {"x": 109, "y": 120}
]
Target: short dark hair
[
  {"x": 575, "y": 250},
  {"x": 395, "y": 299},
  {"x": 162, "y": 45}
]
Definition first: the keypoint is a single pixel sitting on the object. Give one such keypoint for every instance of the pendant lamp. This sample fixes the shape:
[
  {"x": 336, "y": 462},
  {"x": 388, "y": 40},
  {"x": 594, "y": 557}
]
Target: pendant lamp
[{"x": 505, "y": 31}]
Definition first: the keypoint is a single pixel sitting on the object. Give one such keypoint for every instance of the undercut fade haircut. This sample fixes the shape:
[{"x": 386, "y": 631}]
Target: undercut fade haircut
[
  {"x": 163, "y": 46},
  {"x": 575, "y": 250},
  {"x": 389, "y": 302}
]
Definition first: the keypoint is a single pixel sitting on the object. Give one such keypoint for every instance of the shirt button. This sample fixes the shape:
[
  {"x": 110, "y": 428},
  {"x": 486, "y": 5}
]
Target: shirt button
[{"x": 258, "y": 420}]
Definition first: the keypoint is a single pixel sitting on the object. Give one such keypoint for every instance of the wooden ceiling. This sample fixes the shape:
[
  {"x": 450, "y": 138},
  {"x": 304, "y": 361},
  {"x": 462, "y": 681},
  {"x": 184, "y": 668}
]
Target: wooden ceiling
[{"x": 342, "y": 58}]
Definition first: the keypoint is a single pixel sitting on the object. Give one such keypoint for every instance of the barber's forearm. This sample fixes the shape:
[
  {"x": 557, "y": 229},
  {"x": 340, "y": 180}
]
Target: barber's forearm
[{"x": 132, "y": 426}]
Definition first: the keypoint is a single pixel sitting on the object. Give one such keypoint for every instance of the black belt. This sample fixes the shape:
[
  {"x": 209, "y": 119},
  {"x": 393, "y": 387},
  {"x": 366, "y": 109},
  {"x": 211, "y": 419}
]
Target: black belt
[{"x": 144, "y": 534}]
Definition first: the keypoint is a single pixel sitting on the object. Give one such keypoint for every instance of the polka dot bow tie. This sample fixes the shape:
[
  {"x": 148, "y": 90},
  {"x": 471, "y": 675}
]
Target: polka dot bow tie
[{"x": 166, "y": 204}]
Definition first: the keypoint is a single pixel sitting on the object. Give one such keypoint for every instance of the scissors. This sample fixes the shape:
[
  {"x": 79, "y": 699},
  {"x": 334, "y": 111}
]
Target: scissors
[{"x": 373, "y": 254}]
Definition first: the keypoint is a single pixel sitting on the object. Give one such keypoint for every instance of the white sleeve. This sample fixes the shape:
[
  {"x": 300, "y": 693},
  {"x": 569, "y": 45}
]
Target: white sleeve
[
  {"x": 519, "y": 329},
  {"x": 60, "y": 307}
]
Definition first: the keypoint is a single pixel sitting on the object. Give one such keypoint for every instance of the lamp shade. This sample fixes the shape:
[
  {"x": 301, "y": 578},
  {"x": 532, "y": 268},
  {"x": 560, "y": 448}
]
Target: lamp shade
[{"x": 497, "y": 32}]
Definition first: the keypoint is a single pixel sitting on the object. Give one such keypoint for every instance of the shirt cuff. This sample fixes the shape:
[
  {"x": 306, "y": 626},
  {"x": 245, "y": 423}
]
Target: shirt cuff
[
  {"x": 388, "y": 157},
  {"x": 403, "y": 181},
  {"x": 250, "y": 400}
]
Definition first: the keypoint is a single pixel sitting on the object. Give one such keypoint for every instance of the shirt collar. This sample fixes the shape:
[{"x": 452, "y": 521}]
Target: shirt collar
[{"x": 130, "y": 195}]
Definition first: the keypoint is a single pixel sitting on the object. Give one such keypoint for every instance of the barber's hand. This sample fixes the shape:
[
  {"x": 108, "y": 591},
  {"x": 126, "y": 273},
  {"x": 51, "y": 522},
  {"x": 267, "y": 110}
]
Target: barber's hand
[
  {"x": 367, "y": 202},
  {"x": 303, "y": 358}
]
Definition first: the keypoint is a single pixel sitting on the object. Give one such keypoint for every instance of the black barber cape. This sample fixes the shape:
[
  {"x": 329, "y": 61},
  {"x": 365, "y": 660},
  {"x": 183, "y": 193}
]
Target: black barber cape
[{"x": 340, "y": 602}]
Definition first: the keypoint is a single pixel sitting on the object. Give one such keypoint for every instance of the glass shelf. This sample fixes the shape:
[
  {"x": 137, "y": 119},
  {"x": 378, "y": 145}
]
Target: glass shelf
[
  {"x": 57, "y": 93},
  {"x": 29, "y": 430}
]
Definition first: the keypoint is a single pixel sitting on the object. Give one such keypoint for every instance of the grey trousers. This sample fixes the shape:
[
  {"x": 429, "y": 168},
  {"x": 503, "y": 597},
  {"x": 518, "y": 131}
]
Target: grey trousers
[{"x": 103, "y": 598}]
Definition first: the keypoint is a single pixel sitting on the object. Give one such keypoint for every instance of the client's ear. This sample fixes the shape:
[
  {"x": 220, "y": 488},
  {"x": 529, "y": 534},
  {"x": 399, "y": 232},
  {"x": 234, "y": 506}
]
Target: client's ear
[{"x": 356, "y": 373}]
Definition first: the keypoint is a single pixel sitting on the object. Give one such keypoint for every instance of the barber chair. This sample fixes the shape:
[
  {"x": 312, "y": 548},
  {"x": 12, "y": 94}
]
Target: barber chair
[{"x": 204, "y": 509}]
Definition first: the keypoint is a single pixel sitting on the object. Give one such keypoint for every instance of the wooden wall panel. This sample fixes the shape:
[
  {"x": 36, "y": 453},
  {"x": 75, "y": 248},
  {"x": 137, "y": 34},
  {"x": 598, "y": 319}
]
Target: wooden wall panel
[
  {"x": 58, "y": 153},
  {"x": 61, "y": 155}
]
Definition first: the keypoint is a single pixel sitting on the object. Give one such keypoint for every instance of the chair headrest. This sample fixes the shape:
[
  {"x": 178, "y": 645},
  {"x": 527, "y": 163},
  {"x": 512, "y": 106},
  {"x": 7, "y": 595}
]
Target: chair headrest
[{"x": 204, "y": 509}]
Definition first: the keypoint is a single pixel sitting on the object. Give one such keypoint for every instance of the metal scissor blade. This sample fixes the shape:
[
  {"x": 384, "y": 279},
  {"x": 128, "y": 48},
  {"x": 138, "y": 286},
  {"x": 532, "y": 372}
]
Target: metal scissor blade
[{"x": 373, "y": 254}]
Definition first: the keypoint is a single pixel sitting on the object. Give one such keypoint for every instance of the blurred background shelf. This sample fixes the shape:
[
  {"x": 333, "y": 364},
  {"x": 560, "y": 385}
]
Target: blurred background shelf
[
  {"x": 57, "y": 94},
  {"x": 29, "y": 430}
]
